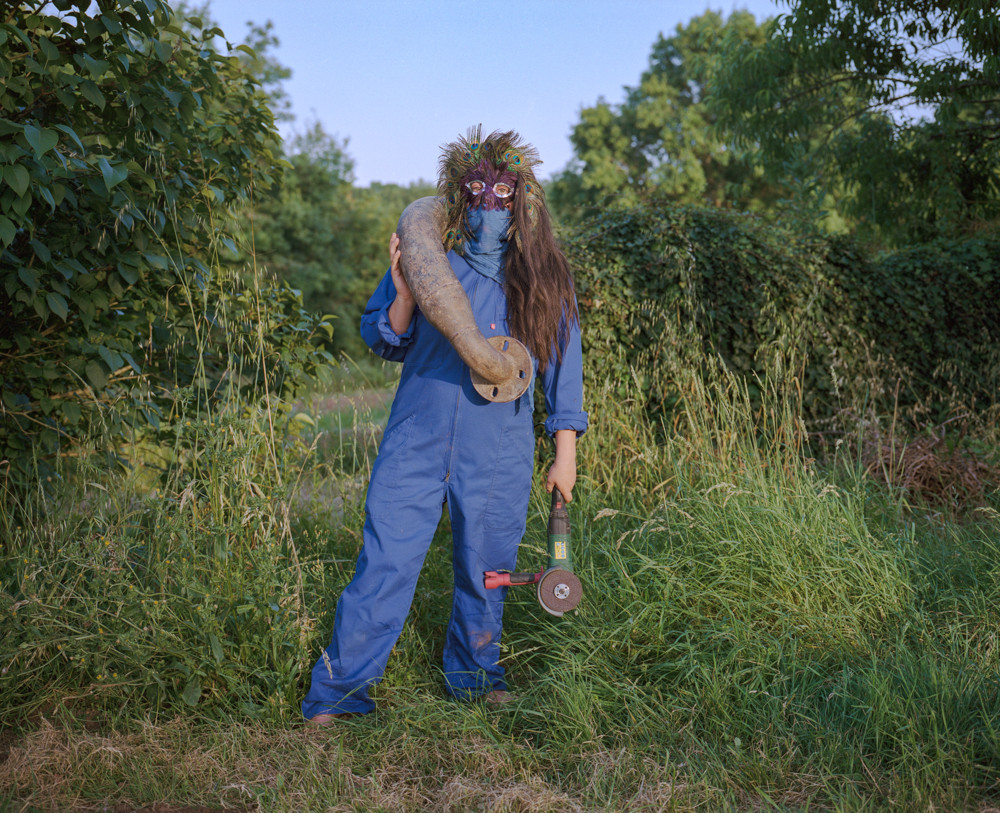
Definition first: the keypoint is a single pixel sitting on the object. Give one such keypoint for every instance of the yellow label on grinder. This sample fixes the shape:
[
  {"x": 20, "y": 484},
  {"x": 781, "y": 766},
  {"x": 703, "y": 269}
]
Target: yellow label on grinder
[{"x": 560, "y": 549}]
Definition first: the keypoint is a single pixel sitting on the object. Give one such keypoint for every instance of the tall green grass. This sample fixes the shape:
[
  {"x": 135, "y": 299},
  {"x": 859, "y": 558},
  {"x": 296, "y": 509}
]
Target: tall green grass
[
  {"x": 759, "y": 630},
  {"x": 778, "y": 623}
]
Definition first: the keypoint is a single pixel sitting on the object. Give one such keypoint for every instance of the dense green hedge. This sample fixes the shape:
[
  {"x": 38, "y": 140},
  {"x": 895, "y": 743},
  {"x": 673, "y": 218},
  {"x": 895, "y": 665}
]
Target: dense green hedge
[
  {"x": 935, "y": 309},
  {"x": 658, "y": 283}
]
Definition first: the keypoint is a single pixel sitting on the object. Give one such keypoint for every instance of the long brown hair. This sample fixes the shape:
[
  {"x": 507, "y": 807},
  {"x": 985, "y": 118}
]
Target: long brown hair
[
  {"x": 541, "y": 306},
  {"x": 541, "y": 303}
]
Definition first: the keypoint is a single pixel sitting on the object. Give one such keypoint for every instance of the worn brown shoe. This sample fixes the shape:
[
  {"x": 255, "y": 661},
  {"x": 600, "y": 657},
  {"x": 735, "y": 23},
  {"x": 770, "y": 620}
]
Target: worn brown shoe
[{"x": 325, "y": 720}]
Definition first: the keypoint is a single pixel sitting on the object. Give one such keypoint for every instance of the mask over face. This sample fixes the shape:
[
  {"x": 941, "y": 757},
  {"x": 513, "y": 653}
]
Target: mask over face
[
  {"x": 488, "y": 187},
  {"x": 476, "y": 172},
  {"x": 485, "y": 250},
  {"x": 487, "y": 190}
]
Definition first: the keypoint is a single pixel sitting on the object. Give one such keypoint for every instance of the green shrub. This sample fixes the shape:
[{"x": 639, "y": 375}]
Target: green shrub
[
  {"x": 127, "y": 145},
  {"x": 659, "y": 280},
  {"x": 932, "y": 310}
]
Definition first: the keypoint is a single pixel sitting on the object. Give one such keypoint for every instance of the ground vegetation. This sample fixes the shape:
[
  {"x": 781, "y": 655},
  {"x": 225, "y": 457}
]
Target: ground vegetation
[{"x": 786, "y": 521}]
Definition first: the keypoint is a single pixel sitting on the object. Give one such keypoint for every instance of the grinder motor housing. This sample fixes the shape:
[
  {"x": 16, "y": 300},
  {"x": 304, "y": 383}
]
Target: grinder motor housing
[{"x": 559, "y": 589}]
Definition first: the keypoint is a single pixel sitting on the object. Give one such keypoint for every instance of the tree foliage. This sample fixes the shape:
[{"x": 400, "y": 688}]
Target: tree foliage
[
  {"x": 301, "y": 225},
  {"x": 126, "y": 140},
  {"x": 266, "y": 69},
  {"x": 662, "y": 139},
  {"x": 904, "y": 96},
  {"x": 325, "y": 237}
]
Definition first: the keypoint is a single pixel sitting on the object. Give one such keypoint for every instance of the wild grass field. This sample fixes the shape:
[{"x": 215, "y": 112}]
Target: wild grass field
[
  {"x": 760, "y": 630},
  {"x": 792, "y": 578}
]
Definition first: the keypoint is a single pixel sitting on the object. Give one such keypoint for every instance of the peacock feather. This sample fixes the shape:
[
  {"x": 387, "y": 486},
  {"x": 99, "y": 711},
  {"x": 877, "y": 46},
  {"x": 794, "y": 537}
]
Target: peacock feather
[{"x": 500, "y": 152}]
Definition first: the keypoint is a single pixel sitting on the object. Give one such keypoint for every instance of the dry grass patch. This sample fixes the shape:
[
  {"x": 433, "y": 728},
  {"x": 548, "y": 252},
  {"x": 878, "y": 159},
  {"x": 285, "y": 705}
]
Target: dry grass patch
[
  {"x": 176, "y": 765},
  {"x": 935, "y": 467},
  {"x": 185, "y": 767}
]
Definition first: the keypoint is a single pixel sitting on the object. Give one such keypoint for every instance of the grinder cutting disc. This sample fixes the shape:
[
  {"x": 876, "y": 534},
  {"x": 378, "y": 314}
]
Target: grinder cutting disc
[{"x": 559, "y": 591}]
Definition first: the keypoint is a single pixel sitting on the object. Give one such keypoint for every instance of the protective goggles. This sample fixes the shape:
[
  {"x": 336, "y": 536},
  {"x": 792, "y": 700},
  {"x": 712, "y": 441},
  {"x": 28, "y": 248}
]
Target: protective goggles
[{"x": 500, "y": 189}]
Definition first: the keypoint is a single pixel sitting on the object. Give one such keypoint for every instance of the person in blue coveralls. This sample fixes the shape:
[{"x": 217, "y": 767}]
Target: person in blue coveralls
[{"x": 446, "y": 444}]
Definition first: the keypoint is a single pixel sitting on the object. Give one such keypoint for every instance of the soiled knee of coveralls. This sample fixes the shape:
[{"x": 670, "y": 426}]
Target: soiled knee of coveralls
[{"x": 480, "y": 640}]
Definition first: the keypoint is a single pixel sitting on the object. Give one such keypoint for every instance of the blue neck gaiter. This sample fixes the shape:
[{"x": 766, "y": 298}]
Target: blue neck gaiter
[{"x": 485, "y": 251}]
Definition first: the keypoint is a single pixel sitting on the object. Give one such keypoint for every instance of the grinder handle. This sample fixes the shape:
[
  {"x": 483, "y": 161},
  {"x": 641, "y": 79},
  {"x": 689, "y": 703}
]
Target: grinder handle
[
  {"x": 559, "y": 533},
  {"x": 493, "y": 579}
]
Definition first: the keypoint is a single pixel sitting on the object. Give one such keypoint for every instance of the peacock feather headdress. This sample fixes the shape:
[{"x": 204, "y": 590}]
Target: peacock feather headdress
[{"x": 500, "y": 154}]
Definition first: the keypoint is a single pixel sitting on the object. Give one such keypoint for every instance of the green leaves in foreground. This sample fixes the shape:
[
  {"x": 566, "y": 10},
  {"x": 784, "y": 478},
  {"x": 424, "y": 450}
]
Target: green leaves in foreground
[{"x": 128, "y": 143}]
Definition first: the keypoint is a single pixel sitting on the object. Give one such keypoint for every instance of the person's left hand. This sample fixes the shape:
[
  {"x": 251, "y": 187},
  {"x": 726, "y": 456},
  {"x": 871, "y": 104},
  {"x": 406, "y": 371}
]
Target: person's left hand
[{"x": 562, "y": 475}]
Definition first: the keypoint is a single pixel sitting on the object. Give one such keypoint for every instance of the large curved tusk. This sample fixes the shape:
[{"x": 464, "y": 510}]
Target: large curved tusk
[{"x": 501, "y": 366}]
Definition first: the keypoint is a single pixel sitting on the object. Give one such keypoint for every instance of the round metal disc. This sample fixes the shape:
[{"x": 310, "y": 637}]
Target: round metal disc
[
  {"x": 515, "y": 386},
  {"x": 559, "y": 591}
]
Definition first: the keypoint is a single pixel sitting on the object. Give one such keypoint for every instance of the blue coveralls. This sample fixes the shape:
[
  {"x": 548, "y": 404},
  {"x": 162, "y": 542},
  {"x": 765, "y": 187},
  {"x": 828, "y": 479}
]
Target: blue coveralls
[{"x": 443, "y": 443}]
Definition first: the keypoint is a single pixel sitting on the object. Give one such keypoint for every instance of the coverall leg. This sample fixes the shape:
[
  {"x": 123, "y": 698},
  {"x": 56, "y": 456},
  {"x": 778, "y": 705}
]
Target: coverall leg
[
  {"x": 399, "y": 527},
  {"x": 488, "y": 506}
]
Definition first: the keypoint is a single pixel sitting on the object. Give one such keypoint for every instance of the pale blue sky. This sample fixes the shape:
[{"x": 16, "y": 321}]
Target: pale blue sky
[{"x": 398, "y": 78}]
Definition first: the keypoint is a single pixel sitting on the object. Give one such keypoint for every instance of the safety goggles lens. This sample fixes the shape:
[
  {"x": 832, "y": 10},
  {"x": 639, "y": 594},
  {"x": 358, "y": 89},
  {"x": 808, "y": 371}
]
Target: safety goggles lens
[{"x": 500, "y": 189}]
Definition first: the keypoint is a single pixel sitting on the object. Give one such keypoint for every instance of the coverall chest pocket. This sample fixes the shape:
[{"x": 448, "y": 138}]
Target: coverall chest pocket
[{"x": 507, "y": 503}]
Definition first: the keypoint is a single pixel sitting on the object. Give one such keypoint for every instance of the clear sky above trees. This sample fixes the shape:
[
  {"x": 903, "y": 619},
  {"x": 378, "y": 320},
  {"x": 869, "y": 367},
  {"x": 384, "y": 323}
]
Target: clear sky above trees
[{"x": 400, "y": 78}]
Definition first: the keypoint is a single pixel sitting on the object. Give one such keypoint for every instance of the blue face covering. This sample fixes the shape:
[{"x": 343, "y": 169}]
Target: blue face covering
[{"x": 485, "y": 251}]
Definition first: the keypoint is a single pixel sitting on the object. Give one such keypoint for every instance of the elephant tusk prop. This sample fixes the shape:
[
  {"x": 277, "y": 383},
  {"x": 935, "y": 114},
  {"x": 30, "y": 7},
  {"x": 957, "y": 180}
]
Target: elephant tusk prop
[{"x": 501, "y": 366}]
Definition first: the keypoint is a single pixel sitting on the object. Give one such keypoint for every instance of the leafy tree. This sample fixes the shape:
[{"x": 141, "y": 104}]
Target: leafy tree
[
  {"x": 663, "y": 140},
  {"x": 314, "y": 229},
  {"x": 324, "y": 236},
  {"x": 255, "y": 52},
  {"x": 905, "y": 98},
  {"x": 306, "y": 228},
  {"x": 382, "y": 204},
  {"x": 126, "y": 141},
  {"x": 266, "y": 69}
]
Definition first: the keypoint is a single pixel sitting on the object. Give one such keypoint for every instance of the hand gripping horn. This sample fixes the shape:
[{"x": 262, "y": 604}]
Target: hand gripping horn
[{"x": 501, "y": 366}]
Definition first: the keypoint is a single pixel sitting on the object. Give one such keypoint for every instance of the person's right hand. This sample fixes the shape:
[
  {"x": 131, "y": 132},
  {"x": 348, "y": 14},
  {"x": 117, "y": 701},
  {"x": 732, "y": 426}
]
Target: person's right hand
[{"x": 402, "y": 289}]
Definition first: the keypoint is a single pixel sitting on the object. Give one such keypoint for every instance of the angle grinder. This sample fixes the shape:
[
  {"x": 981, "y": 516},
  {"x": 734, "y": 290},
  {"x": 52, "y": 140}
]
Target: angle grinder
[{"x": 559, "y": 590}]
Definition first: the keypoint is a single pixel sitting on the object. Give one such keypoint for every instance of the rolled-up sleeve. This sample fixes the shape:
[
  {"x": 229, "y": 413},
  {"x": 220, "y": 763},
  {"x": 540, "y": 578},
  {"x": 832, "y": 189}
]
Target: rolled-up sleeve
[
  {"x": 562, "y": 383},
  {"x": 375, "y": 328}
]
